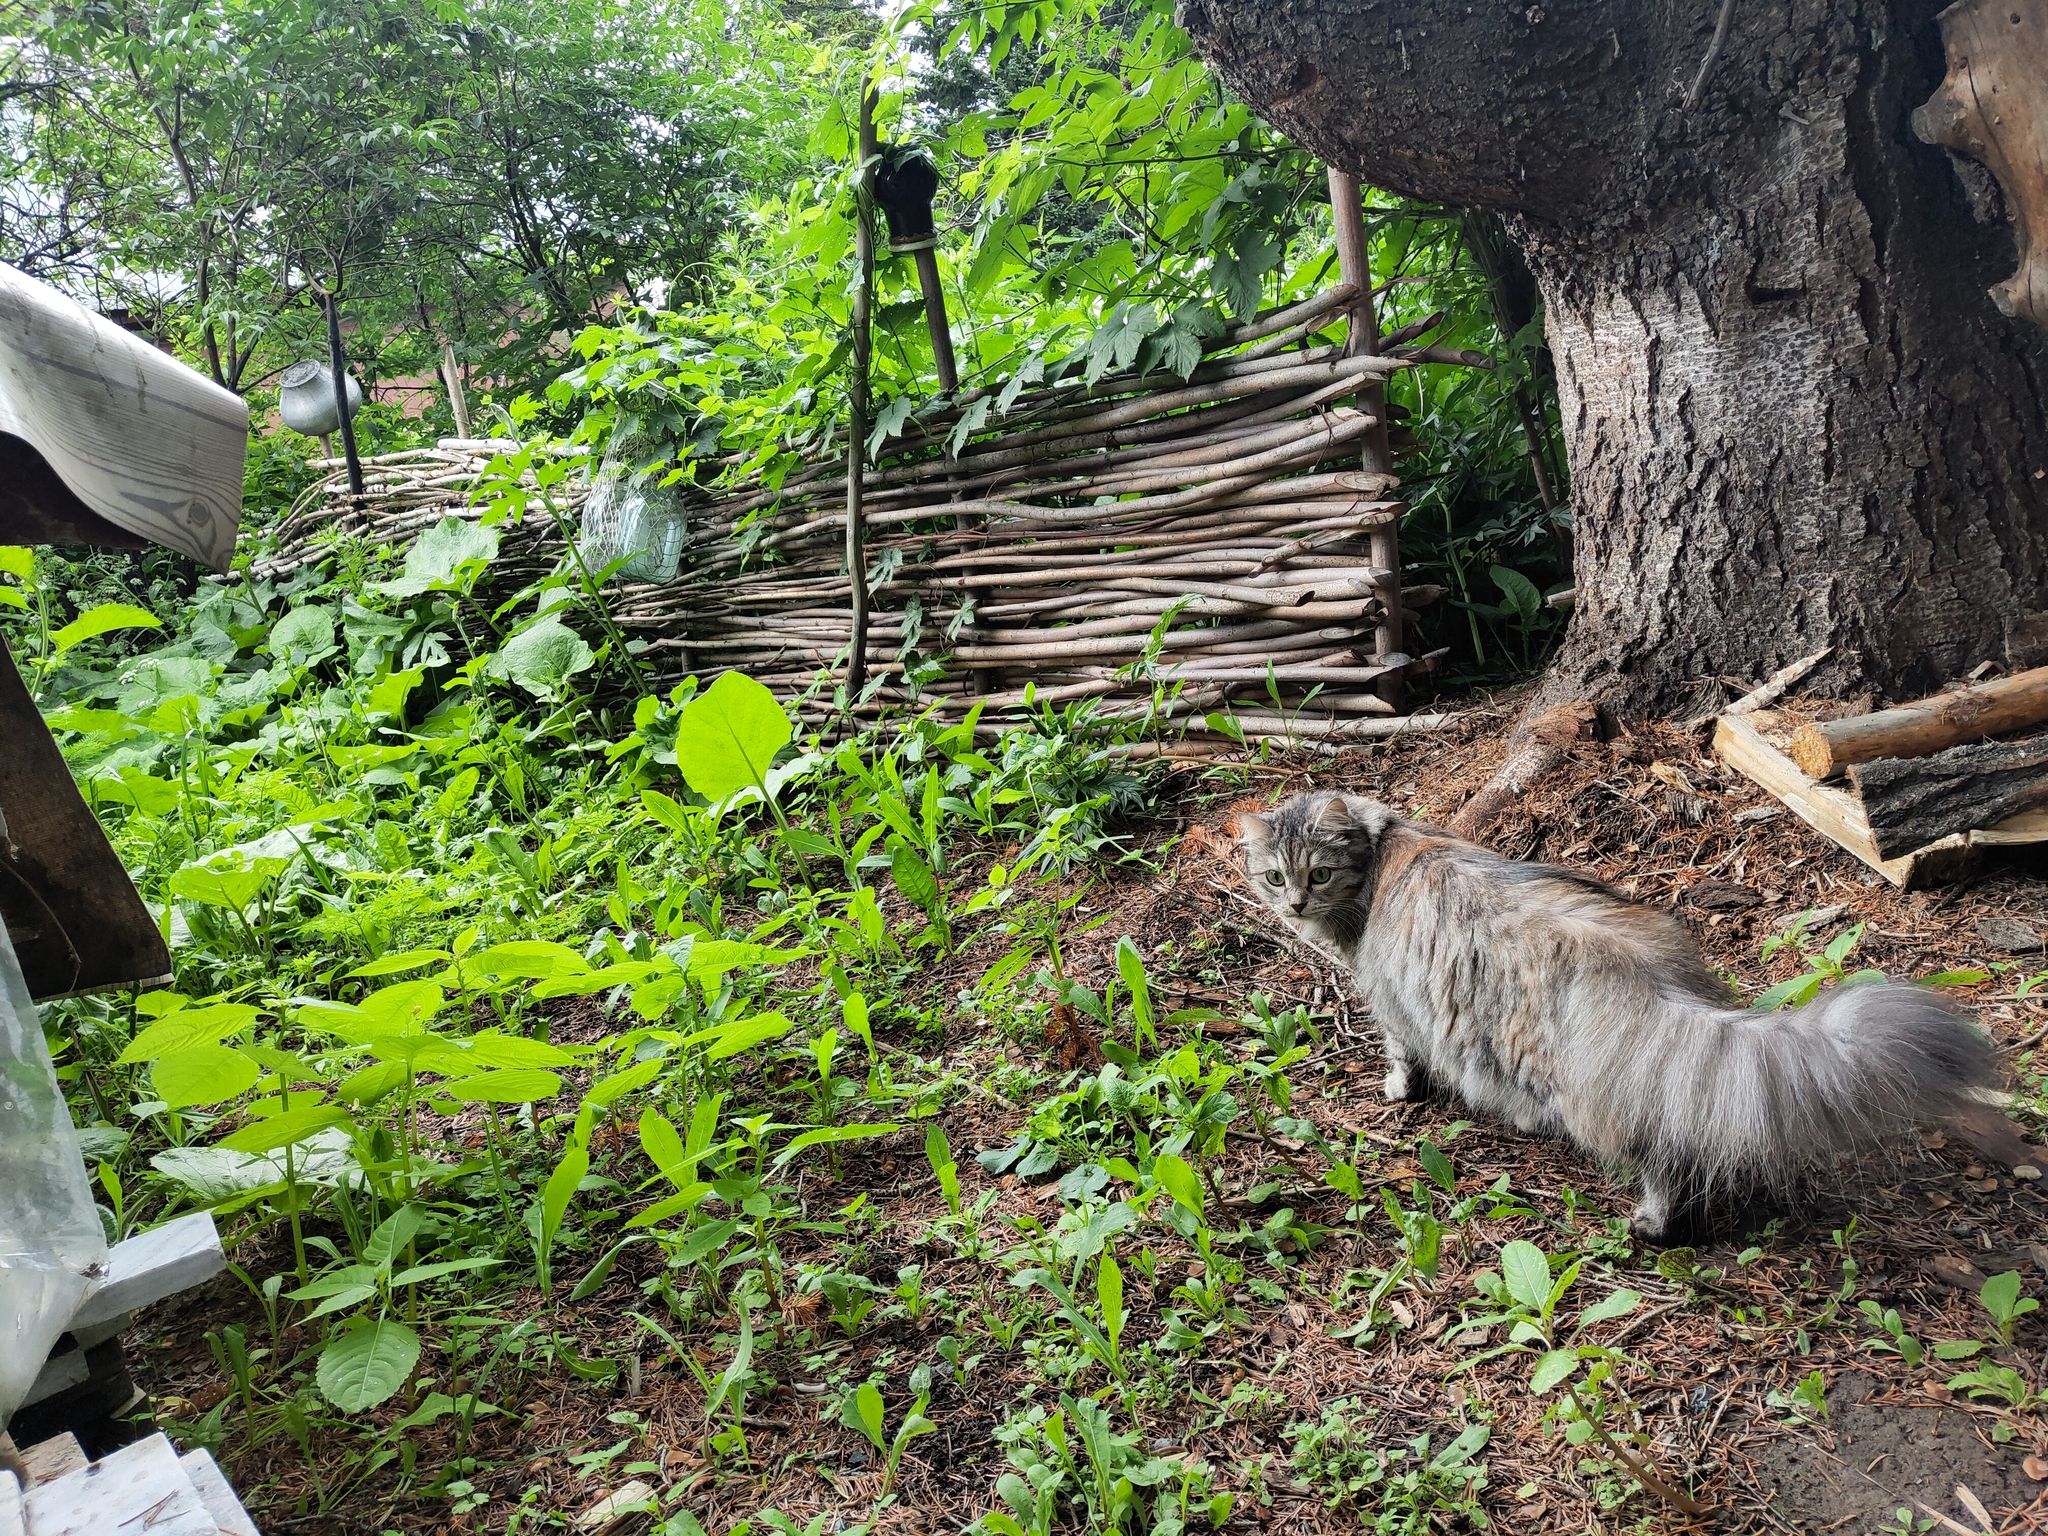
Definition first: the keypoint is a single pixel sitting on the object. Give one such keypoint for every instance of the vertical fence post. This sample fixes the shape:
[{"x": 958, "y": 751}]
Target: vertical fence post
[
  {"x": 458, "y": 401},
  {"x": 337, "y": 363},
  {"x": 1347, "y": 214},
  {"x": 857, "y": 397}
]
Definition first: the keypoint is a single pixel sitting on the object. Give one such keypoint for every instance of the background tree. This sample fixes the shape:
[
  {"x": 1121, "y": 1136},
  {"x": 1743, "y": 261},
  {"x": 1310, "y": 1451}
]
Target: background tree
[{"x": 1793, "y": 417}]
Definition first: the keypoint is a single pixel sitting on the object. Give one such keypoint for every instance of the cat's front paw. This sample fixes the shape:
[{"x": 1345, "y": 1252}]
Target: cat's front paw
[{"x": 1398, "y": 1088}]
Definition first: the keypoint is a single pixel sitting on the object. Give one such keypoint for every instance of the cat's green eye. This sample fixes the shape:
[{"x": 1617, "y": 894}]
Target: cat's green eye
[
  {"x": 1274, "y": 877},
  {"x": 1319, "y": 877}
]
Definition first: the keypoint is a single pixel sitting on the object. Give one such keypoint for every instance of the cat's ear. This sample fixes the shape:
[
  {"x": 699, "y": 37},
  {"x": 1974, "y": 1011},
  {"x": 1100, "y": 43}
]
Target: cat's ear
[
  {"x": 1253, "y": 828},
  {"x": 1335, "y": 815}
]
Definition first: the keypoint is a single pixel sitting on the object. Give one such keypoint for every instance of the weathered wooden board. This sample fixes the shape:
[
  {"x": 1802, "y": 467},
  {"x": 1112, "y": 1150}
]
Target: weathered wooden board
[
  {"x": 140, "y": 1487},
  {"x": 139, "y": 438},
  {"x": 152, "y": 1265},
  {"x": 75, "y": 918}
]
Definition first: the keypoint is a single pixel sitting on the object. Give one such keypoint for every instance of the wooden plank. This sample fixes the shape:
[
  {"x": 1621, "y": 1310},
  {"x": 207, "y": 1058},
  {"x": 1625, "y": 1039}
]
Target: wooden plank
[
  {"x": 1909, "y": 802},
  {"x": 152, "y": 1265},
  {"x": 141, "y": 1487},
  {"x": 216, "y": 1494},
  {"x": 139, "y": 438},
  {"x": 48, "y": 1460}
]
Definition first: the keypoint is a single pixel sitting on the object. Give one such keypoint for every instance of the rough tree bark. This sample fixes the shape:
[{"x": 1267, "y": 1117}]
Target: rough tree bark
[{"x": 1793, "y": 417}]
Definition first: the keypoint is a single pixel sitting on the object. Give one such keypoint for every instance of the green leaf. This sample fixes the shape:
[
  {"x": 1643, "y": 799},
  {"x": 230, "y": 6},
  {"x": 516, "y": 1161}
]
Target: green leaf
[
  {"x": 855, "y": 1012},
  {"x": 913, "y": 876},
  {"x": 1527, "y": 1273},
  {"x": 409, "y": 960},
  {"x": 202, "y": 1074},
  {"x": 512, "y": 1085},
  {"x": 284, "y": 1130},
  {"x": 366, "y": 1363},
  {"x": 619, "y": 1084},
  {"x": 730, "y": 1039},
  {"x": 665, "y": 810},
  {"x": 1957, "y": 1349},
  {"x": 1109, "y": 1295},
  {"x": 103, "y": 620},
  {"x": 1968, "y": 978},
  {"x": 1130, "y": 966},
  {"x": 392, "y": 690},
  {"x": 832, "y": 1136},
  {"x": 1437, "y": 1166},
  {"x": 728, "y": 735},
  {"x": 448, "y": 557},
  {"x": 304, "y": 636},
  {"x": 1180, "y": 1181},
  {"x": 559, "y": 1190},
  {"x": 542, "y": 658},
  {"x": 1555, "y": 1367},
  {"x": 601, "y": 1271},
  {"x": 1620, "y": 1304},
  {"x": 222, "y": 886},
  {"x": 1523, "y": 600},
  {"x": 189, "y": 1027},
  {"x": 529, "y": 959},
  {"x": 863, "y": 1411}
]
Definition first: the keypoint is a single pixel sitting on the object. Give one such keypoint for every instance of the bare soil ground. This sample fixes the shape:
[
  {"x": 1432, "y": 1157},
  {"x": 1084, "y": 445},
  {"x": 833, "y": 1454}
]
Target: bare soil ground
[{"x": 1652, "y": 812}]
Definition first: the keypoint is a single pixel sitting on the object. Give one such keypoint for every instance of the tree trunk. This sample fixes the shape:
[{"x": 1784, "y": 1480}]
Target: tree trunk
[{"x": 1793, "y": 417}]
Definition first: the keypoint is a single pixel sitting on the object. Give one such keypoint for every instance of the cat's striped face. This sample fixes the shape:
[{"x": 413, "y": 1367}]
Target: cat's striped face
[{"x": 1308, "y": 859}]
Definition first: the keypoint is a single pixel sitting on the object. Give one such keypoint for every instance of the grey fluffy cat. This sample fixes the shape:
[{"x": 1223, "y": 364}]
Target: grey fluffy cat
[{"x": 1548, "y": 998}]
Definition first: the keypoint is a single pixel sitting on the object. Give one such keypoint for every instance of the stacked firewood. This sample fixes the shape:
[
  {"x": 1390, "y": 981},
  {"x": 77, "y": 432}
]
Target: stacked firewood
[{"x": 1108, "y": 540}]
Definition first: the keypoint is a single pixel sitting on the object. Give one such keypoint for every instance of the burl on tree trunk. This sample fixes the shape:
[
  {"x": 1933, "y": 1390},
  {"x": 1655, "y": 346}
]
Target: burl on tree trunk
[{"x": 1793, "y": 416}]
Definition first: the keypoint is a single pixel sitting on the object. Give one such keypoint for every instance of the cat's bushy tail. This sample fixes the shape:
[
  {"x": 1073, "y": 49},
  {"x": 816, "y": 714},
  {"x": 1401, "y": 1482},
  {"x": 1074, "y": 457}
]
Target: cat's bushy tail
[{"x": 1725, "y": 1094}]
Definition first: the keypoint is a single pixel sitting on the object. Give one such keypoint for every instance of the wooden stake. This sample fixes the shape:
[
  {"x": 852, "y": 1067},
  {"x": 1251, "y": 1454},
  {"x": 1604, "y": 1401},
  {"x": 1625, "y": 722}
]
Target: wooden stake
[
  {"x": 1347, "y": 213},
  {"x": 935, "y": 318},
  {"x": 857, "y": 397},
  {"x": 451, "y": 375}
]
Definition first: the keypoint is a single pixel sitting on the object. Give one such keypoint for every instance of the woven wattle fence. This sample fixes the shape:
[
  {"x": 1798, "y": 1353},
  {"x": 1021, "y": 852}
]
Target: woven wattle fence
[{"x": 1087, "y": 541}]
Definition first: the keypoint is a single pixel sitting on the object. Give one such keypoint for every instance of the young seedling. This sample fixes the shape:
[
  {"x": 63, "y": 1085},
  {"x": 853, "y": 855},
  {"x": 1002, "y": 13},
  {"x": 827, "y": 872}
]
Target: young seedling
[{"x": 862, "y": 1409}]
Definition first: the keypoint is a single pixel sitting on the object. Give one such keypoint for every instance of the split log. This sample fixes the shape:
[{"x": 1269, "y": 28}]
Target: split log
[
  {"x": 1924, "y": 726},
  {"x": 1911, "y": 801},
  {"x": 1549, "y": 734}
]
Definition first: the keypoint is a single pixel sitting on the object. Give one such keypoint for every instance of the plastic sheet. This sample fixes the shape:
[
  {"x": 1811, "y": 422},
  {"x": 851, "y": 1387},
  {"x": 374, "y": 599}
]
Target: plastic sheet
[
  {"x": 645, "y": 521},
  {"x": 51, "y": 1243}
]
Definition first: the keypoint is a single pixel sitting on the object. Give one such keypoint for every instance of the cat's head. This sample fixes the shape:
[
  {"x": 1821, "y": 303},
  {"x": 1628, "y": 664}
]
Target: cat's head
[{"x": 1310, "y": 857}]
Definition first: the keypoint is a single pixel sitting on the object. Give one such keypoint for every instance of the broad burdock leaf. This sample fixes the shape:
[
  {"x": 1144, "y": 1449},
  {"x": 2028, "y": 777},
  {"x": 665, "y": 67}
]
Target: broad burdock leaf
[
  {"x": 366, "y": 1363},
  {"x": 729, "y": 735},
  {"x": 304, "y": 636},
  {"x": 542, "y": 658},
  {"x": 448, "y": 557}
]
